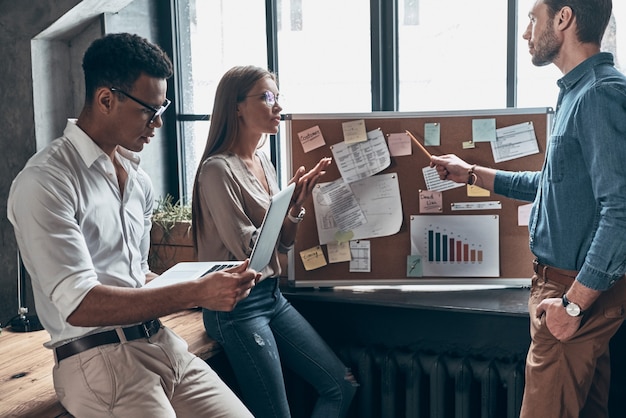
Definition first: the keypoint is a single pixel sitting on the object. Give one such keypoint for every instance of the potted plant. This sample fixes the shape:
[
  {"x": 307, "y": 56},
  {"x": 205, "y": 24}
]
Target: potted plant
[{"x": 171, "y": 237}]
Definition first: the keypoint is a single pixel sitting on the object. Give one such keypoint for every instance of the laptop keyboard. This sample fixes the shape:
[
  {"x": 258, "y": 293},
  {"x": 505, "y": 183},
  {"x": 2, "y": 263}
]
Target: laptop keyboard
[{"x": 219, "y": 267}]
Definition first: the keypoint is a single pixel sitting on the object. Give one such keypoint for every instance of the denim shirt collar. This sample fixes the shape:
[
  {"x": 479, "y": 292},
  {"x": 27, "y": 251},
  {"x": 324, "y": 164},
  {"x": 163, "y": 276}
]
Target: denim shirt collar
[{"x": 570, "y": 79}]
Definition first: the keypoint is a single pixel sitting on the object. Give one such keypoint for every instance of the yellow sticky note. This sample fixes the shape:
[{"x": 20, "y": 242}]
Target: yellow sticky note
[
  {"x": 313, "y": 258},
  {"x": 354, "y": 131},
  {"x": 475, "y": 191}
]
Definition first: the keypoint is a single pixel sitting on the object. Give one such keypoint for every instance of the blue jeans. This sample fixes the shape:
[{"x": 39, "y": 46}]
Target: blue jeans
[{"x": 263, "y": 330}]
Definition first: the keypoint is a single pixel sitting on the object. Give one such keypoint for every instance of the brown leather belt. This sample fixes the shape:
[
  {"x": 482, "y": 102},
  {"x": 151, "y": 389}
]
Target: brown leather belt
[
  {"x": 553, "y": 274},
  {"x": 135, "y": 332}
]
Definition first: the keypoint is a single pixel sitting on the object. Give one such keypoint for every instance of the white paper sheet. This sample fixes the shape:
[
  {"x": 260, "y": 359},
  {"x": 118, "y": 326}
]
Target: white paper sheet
[
  {"x": 362, "y": 159},
  {"x": 514, "y": 141},
  {"x": 378, "y": 197}
]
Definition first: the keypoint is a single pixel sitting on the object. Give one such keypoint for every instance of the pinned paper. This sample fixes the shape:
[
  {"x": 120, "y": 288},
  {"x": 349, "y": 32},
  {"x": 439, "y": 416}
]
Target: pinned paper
[
  {"x": 515, "y": 142},
  {"x": 313, "y": 258},
  {"x": 432, "y": 134},
  {"x": 361, "y": 259},
  {"x": 475, "y": 191},
  {"x": 523, "y": 214},
  {"x": 430, "y": 201},
  {"x": 484, "y": 130},
  {"x": 433, "y": 182},
  {"x": 311, "y": 139},
  {"x": 338, "y": 252},
  {"x": 354, "y": 131},
  {"x": 414, "y": 266},
  {"x": 399, "y": 144},
  {"x": 362, "y": 159},
  {"x": 468, "y": 145}
]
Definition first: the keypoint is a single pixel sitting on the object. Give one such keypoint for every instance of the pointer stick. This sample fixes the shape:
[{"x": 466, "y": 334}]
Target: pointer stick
[{"x": 421, "y": 147}]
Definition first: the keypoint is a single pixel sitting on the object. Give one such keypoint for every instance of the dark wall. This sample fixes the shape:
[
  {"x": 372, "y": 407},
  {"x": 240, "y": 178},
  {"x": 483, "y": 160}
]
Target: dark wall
[{"x": 68, "y": 27}]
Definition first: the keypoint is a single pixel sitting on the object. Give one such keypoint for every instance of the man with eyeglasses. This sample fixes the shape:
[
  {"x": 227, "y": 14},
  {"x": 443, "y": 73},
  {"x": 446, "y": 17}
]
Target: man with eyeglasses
[{"x": 81, "y": 209}]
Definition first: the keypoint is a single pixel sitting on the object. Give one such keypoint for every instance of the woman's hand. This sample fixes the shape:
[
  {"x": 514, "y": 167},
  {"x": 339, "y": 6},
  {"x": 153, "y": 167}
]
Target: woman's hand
[{"x": 305, "y": 182}]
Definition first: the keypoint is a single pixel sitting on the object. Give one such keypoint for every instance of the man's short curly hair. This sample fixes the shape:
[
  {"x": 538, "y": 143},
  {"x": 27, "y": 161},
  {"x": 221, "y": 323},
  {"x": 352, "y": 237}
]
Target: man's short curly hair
[{"x": 119, "y": 59}]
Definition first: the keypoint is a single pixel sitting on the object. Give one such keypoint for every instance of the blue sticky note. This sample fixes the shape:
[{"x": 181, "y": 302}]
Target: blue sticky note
[{"x": 484, "y": 130}]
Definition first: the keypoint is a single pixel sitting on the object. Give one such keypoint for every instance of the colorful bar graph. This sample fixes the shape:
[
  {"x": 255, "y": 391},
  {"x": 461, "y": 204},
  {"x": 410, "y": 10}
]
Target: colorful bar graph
[{"x": 445, "y": 249}]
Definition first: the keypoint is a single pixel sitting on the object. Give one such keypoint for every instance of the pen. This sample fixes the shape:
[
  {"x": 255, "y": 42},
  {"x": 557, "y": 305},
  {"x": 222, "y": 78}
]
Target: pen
[{"x": 418, "y": 144}]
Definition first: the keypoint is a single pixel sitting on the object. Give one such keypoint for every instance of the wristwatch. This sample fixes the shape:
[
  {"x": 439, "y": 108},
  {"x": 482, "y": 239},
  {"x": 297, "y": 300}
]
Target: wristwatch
[
  {"x": 297, "y": 219},
  {"x": 571, "y": 308}
]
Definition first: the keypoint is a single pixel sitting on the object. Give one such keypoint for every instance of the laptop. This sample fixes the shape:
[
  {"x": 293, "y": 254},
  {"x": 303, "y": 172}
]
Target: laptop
[{"x": 261, "y": 252}]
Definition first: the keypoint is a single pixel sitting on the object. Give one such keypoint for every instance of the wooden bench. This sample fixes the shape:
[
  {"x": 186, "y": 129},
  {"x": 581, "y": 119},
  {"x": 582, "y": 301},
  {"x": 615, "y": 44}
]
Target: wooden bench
[{"x": 26, "y": 388}]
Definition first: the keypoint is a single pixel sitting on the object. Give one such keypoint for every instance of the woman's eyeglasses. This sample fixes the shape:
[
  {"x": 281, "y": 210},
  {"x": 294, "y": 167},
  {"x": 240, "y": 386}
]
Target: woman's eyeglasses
[
  {"x": 156, "y": 111},
  {"x": 270, "y": 98}
]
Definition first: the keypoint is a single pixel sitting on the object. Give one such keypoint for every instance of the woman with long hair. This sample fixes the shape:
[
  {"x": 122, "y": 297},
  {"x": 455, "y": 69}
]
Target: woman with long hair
[{"x": 231, "y": 194}]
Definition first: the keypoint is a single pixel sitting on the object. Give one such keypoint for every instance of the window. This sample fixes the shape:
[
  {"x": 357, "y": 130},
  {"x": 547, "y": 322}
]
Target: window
[
  {"x": 452, "y": 54},
  {"x": 324, "y": 58},
  {"x": 213, "y": 37}
]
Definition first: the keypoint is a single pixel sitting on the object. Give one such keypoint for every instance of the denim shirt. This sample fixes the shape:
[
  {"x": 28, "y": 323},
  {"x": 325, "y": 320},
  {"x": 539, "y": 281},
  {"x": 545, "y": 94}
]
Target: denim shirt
[{"x": 578, "y": 216}]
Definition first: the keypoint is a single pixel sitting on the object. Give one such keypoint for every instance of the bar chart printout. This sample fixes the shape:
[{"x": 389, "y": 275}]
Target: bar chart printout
[{"x": 457, "y": 246}]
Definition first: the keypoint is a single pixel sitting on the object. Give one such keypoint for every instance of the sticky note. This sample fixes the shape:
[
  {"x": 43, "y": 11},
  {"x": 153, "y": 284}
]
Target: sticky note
[
  {"x": 313, "y": 258},
  {"x": 354, "y": 131},
  {"x": 311, "y": 139},
  {"x": 338, "y": 252},
  {"x": 523, "y": 214},
  {"x": 475, "y": 191},
  {"x": 399, "y": 144},
  {"x": 484, "y": 130},
  {"x": 432, "y": 134},
  {"x": 430, "y": 201},
  {"x": 414, "y": 266}
]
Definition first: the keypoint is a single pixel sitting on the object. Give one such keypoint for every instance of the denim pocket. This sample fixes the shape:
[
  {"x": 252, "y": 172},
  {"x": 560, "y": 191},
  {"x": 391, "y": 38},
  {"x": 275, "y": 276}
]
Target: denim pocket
[{"x": 555, "y": 167}]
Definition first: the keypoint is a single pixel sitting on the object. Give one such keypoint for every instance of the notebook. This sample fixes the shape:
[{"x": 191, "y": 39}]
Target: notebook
[{"x": 261, "y": 252}]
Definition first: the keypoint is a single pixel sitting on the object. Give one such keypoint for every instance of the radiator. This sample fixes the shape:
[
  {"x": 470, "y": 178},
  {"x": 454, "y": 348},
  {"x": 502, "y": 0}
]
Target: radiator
[{"x": 396, "y": 384}]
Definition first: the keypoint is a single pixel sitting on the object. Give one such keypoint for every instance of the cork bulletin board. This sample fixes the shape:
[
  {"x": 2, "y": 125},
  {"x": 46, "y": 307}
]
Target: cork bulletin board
[{"x": 388, "y": 255}]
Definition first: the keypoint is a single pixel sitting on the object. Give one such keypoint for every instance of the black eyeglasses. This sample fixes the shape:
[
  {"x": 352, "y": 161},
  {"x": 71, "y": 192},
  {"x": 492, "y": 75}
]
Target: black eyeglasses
[
  {"x": 269, "y": 97},
  {"x": 157, "y": 111}
]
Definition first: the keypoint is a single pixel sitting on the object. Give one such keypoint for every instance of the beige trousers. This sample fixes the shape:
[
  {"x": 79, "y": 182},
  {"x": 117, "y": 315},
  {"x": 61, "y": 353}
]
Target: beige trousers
[{"x": 155, "y": 377}]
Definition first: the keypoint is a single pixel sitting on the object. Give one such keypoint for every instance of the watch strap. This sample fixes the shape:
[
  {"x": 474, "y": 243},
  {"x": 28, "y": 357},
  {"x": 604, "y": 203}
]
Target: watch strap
[{"x": 297, "y": 219}]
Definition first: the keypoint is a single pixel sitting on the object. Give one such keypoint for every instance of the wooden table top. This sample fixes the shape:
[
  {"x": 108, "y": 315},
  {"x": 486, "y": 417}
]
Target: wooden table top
[{"x": 26, "y": 388}]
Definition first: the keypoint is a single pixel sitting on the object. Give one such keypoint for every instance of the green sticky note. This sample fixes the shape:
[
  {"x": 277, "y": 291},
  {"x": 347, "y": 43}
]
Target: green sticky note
[
  {"x": 432, "y": 134},
  {"x": 484, "y": 130},
  {"x": 413, "y": 266}
]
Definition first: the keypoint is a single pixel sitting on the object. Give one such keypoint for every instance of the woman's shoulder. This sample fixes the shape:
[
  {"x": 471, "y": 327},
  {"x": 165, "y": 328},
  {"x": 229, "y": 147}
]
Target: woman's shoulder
[{"x": 219, "y": 161}]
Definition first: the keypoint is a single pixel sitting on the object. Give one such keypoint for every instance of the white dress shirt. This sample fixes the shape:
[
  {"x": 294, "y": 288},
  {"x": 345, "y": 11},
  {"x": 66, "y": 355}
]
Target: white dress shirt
[{"x": 75, "y": 230}]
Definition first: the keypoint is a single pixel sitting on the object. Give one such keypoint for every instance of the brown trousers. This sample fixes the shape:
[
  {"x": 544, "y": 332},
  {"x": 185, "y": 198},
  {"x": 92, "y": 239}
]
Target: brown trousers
[{"x": 571, "y": 379}]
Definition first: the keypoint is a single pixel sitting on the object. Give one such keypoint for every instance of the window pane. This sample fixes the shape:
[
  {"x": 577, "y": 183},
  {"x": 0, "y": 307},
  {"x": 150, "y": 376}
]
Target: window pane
[
  {"x": 213, "y": 37},
  {"x": 615, "y": 38},
  {"x": 536, "y": 86},
  {"x": 324, "y": 55},
  {"x": 219, "y": 35},
  {"x": 452, "y": 54}
]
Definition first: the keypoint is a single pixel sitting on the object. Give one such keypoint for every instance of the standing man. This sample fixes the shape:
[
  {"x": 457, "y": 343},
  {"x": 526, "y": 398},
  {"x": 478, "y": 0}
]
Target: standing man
[
  {"x": 81, "y": 211},
  {"x": 578, "y": 219}
]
